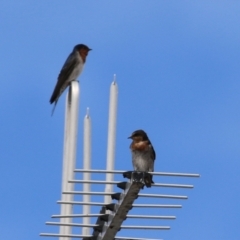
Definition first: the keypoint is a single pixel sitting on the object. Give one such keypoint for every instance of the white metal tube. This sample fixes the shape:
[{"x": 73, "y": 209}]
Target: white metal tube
[
  {"x": 72, "y": 224},
  {"x": 65, "y": 165},
  {"x": 172, "y": 185},
  {"x": 96, "y": 225},
  {"x": 82, "y": 203},
  {"x": 128, "y": 216},
  {"x": 94, "y": 182},
  {"x": 162, "y": 196},
  {"x": 112, "y": 121},
  {"x": 78, "y": 215},
  {"x": 65, "y": 235},
  {"x": 69, "y": 152},
  {"x": 146, "y": 227},
  {"x": 89, "y": 236},
  {"x": 116, "y": 182},
  {"x": 86, "y": 165},
  {"x": 151, "y": 217},
  {"x": 89, "y": 193},
  {"x": 156, "y": 206},
  {"x": 128, "y": 238},
  {"x": 153, "y": 173},
  {"x": 134, "y": 205},
  {"x": 111, "y": 193}
]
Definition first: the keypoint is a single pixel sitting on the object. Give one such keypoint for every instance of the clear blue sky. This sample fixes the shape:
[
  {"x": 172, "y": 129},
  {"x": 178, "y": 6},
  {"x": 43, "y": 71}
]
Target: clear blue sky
[{"x": 177, "y": 66}]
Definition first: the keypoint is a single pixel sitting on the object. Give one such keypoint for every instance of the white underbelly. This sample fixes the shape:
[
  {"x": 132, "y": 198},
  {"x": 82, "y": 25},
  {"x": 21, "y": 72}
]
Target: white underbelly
[
  {"x": 76, "y": 72},
  {"x": 142, "y": 161}
]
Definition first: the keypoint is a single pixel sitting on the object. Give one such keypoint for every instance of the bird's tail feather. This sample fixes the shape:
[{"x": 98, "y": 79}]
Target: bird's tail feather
[{"x": 54, "y": 106}]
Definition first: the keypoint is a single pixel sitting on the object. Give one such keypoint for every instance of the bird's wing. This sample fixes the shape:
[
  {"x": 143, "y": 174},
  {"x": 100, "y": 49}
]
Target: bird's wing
[
  {"x": 153, "y": 155},
  {"x": 64, "y": 74}
]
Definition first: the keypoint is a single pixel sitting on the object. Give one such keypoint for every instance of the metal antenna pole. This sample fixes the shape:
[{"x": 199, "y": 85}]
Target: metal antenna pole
[
  {"x": 86, "y": 165},
  {"x": 112, "y": 214},
  {"x": 112, "y": 121},
  {"x": 69, "y": 152}
]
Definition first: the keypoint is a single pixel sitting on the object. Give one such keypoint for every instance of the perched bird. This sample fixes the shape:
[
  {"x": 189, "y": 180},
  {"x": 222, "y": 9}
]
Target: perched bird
[
  {"x": 70, "y": 71},
  {"x": 143, "y": 154}
]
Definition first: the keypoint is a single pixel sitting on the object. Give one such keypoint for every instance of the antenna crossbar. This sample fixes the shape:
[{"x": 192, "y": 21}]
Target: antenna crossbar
[
  {"x": 116, "y": 182},
  {"x": 152, "y": 173},
  {"x": 139, "y": 195},
  {"x": 99, "y": 215},
  {"x": 96, "y": 225},
  {"x": 133, "y": 205}
]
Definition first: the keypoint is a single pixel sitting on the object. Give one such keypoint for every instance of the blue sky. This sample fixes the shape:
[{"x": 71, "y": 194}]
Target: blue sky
[{"x": 177, "y": 66}]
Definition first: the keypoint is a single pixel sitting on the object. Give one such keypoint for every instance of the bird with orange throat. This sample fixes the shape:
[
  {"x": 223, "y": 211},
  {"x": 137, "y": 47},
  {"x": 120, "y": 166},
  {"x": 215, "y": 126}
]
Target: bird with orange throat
[{"x": 71, "y": 69}]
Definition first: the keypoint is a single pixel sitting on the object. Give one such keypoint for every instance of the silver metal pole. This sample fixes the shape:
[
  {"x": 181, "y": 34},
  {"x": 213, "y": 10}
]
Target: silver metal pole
[
  {"x": 132, "y": 238},
  {"x": 139, "y": 195},
  {"x": 112, "y": 121},
  {"x": 69, "y": 236},
  {"x": 69, "y": 152},
  {"x": 116, "y": 182},
  {"x": 128, "y": 216},
  {"x": 153, "y": 173},
  {"x": 122, "y": 227},
  {"x": 90, "y": 236},
  {"x": 133, "y": 205},
  {"x": 86, "y": 165}
]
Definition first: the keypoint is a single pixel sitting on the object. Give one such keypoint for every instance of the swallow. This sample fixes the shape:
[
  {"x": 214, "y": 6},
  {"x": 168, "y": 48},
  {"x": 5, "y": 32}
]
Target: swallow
[
  {"x": 143, "y": 154},
  {"x": 71, "y": 69}
]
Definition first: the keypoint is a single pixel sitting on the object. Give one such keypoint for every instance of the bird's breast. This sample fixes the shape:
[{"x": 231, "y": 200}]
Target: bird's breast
[
  {"x": 78, "y": 68},
  {"x": 140, "y": 146}
]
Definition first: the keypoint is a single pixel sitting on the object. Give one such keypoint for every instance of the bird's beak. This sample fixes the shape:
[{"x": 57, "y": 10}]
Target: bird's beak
[
  {"x": 130, "y": 137},
  {"x": 89, "y": 49}
]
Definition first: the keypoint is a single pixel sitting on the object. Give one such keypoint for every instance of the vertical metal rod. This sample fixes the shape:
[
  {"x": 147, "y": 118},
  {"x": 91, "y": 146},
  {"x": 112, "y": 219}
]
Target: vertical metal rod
[
  {"x": 112, "y": 121},
  {"x": 86, "y": 165},
  {"x": 69, "y": 152}
]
